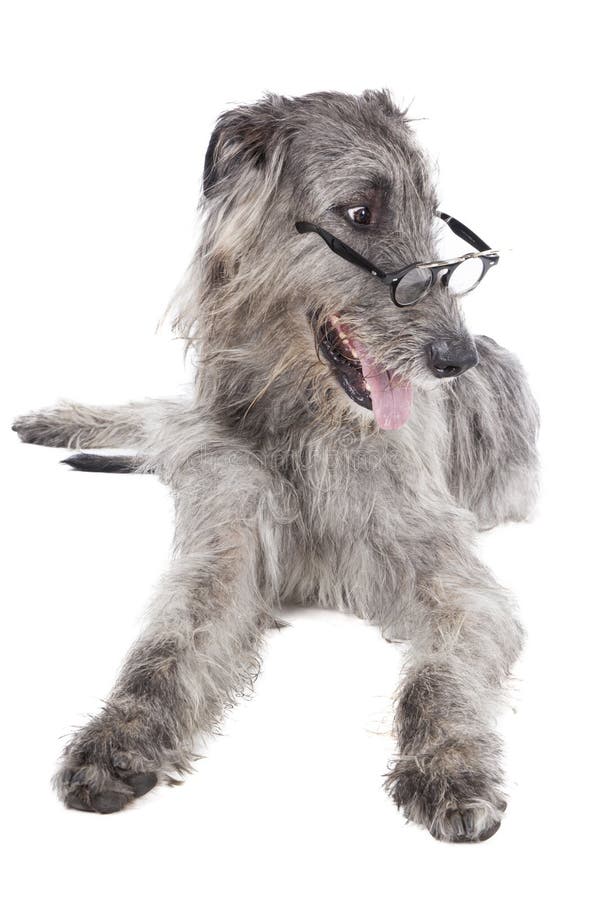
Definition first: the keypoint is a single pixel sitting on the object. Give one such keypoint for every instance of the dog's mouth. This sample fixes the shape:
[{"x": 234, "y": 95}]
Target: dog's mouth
[{"x": 363, "y": 379}]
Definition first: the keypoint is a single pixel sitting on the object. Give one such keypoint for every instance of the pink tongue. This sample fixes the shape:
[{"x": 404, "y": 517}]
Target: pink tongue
[{"x": 391, "y": 397}]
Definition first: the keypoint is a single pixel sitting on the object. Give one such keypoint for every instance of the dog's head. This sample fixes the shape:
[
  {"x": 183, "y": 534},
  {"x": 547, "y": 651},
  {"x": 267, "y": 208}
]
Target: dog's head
[{"x": 281, "y": 315}]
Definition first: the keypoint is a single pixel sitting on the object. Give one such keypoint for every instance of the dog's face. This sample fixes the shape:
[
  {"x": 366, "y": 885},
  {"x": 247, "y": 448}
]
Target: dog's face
[{"x": 350, "y": 165}]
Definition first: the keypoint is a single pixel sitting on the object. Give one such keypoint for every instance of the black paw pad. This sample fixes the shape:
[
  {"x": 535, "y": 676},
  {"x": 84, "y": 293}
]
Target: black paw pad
[
  {"x": 141, "y": 783},
  {"x": 109, "y": 802},
  {"x": 74, "y": 801}
]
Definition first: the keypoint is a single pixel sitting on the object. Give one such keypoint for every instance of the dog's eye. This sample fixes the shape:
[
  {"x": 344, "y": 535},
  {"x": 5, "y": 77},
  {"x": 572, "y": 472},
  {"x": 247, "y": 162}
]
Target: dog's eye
[{"x": 360, "y": 215}]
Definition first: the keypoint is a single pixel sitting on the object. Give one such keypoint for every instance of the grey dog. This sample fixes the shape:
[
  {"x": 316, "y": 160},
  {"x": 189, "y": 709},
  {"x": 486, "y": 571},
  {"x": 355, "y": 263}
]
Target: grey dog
[{"x": 339, "y": 449}]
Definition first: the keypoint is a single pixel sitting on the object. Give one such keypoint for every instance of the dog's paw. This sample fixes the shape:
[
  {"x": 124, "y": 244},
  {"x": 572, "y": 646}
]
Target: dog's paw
[
  {"x": 461, "y": 806},
  {"x": 44, "y": 427},
  {"x": 111, "y": 761},
  {"x": 95, "y": 788}
]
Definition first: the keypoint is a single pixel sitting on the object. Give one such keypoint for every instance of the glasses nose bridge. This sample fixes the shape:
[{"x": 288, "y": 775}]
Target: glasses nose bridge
[
  {"x": 443, "y": 273},
  {"x": 446, "y": 271}
]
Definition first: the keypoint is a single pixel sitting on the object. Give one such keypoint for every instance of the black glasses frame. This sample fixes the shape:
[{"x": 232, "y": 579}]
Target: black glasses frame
[{"x": 488, "y": 258}]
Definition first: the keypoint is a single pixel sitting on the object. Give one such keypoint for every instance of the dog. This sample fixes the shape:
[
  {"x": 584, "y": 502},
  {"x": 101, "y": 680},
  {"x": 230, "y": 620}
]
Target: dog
[{"x": 345, "y": 440}]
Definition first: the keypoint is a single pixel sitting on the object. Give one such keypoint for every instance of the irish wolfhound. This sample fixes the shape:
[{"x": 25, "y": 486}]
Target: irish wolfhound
[{"x": 330, "y": 455}]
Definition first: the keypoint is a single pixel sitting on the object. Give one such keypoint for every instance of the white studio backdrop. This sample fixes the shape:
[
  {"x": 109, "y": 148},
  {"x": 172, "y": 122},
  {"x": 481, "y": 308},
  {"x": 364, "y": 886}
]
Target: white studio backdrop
[{"x": 106, "y": 112}]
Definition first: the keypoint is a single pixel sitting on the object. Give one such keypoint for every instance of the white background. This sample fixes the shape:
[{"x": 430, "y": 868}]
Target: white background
[{"x": 106, "y": 112}]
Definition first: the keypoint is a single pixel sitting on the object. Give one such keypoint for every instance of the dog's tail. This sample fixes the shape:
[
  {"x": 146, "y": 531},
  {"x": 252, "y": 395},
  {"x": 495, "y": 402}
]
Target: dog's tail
[{"x": 97, "y": 462}]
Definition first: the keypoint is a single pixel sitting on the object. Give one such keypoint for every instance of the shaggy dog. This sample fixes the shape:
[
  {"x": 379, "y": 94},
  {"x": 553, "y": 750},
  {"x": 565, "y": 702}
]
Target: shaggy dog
[{"x": 345, "y": 440}]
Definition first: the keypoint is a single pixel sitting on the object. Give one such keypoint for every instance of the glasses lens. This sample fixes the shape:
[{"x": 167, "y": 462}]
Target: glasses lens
[
  {"x": 466, "y": 276},
  {"x": 413, "y": 286}
]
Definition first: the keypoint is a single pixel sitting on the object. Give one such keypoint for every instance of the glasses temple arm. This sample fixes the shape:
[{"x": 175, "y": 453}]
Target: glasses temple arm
[
  {"x": 340, "y": 248},
  {"x": 463, "y": 232}
]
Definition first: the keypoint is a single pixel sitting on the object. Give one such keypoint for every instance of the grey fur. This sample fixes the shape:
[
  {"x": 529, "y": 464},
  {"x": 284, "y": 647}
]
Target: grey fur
[{"x": 286, "y": 491}]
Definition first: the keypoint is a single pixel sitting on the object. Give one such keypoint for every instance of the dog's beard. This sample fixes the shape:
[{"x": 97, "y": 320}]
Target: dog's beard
[{"x": 364, "y": 380}]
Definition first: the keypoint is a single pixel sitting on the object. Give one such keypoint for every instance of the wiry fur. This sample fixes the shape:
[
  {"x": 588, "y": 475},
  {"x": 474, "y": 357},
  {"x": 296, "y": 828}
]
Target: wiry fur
[{"x": 286, "y": 491}]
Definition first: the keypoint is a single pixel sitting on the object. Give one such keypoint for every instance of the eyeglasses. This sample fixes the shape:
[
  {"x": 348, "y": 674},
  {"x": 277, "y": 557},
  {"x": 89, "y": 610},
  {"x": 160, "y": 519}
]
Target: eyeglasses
[{"x": 410, "y": 284}]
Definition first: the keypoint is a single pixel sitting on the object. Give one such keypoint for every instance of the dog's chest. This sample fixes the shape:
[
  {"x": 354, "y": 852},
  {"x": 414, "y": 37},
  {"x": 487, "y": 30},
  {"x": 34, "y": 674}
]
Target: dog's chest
[
  {"x": 356, "y": 512},
  {"x": 361, "y": 509},
  {"x": 365, "y": 490}
]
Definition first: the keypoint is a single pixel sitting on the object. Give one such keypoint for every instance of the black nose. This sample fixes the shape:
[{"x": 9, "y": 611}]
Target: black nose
[{"x": 452, "y": 357}]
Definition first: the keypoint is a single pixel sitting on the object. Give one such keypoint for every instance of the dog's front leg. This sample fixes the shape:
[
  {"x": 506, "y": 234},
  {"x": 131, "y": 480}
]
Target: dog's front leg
[
  {"x": 492, "y": 463},
  {"x": 447, "y": 775},
  {"x": 196, "y": 653}
]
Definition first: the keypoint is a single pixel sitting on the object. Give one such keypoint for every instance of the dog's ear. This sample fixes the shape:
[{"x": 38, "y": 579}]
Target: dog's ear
[{"x": 242, "y": 139}]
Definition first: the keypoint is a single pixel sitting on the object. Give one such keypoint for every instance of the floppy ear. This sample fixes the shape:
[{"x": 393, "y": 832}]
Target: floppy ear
[{"x": 241, "y": 140}]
